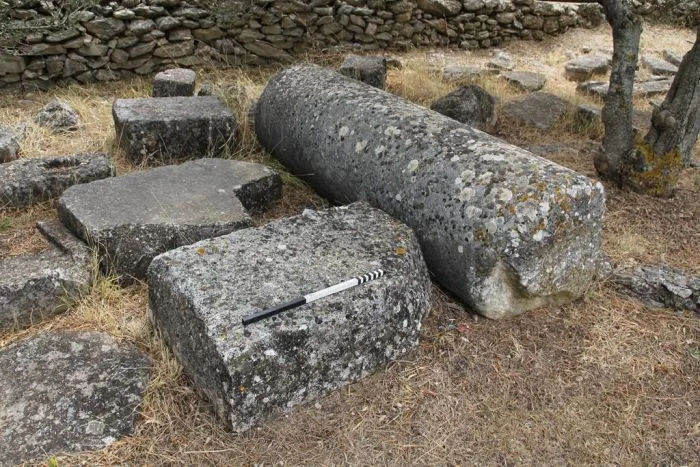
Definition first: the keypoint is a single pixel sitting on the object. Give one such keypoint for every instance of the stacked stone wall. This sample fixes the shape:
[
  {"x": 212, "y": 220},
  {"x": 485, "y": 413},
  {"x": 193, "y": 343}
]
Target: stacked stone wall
[{"x": 103, "y": 41}]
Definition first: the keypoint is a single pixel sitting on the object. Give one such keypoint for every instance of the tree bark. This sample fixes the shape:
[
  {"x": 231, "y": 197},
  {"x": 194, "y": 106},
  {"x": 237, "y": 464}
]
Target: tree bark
[
  {"x": 612, "y": 162},
  {"x": 675, "y": 124}
]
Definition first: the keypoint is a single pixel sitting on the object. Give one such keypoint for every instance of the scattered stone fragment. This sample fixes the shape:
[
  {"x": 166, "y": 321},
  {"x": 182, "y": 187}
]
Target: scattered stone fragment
[
  {"x": 540, "y": 109},
  {"x": 36, "y": 286},
  {"x": 30, "y": 181},
  {"x": 587, "y": 114},
  {"x": 502, "y": 229},
  {"x": 174, "y": 82},
  {"x": 501, "y": 61},
  {"x": 658, "y": 66},
  {"x": 594, "y": 88},
  {"x": 174, "y": 128},
  {"x": 652, "y": 88},
  {"x": 58, "y": 116},
  {"x": 9, "y": 144},
  {"x": 672, "y": 57},
  {"x": 67, "y": 391},
  {"x": 199, "y": 293},
  {"x": 369, "y": 70},
  {"x": 582, "y": 68},
  {"x": 660, "y": 287},
  {"x": 135, "y": 217},
  {"x": 525, "y": 80},
  {"x": 461, "y": 72},
  {"x": 470, "y": 105}
]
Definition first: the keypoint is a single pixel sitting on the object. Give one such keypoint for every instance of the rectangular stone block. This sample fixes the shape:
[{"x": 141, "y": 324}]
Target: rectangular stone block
[
  {"x": 174, "y": 128},
  {"x": 200, "y": 293}
]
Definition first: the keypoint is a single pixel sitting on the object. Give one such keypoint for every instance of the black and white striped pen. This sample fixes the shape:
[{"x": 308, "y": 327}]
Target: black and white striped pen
[{"x": 252, "y": 318}]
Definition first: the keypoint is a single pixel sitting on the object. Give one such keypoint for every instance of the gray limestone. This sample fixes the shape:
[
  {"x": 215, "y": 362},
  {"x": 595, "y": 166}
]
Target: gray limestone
[
  {"x": 582, "y": 68},
  {"x": 67, "y": 391},
  {"x": 199, "y": 293},
  {"x": 135, "y": 217},
  {"x": 369, "y": 70},
  {"x": 29, "y": 181},
  {"x": 540, "y": 109},
  {"x": 456, "y": 72},
  {"x": 525, "y": 80},
  {"x": 174, "y": 128},
  {"x": 659, "y": 66},
  {"x": 36, "y": 286},
  {"x": 9, "y": 144},
  {"x": 501, "y": 61},
  {"x": 672, "y": 57},
  {"x": 660, "y": 287},
  {"x": 58, "y": 116},
  {"x": 504, "y": 230},
  {"x": 470, "y": 105},
  {"x": 174, "y": 82}
]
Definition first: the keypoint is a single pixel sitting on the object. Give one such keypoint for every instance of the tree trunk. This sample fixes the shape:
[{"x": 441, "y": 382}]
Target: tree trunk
[
  {"x": 612, "y": 163},
  {"x": 676, "y": 122}
]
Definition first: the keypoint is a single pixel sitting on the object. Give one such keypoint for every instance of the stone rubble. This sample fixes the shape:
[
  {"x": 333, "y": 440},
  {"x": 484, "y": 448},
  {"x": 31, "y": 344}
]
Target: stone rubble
[
  {"x": 583, "y": 68},
  {"x": 58, "y": 116},
  {"x": 199, "y": 293},
  {"x": 369, "y": 70},
  {"x": 30, "y": 181},
  {"x": 174, "y": 82},
  {"x": 151, "y": 130},
  {"x": 470, "y": 105},
  {"x": 660, "y": 287},
  {"x": 540, "y": 109},
  {"x": 37, "y": 286},
  {"x": 68, "y": 391},
  {"x": 525, "y": 80},
  {"x": 133, "y": 218},
  {"x": 9, "y": 144}
]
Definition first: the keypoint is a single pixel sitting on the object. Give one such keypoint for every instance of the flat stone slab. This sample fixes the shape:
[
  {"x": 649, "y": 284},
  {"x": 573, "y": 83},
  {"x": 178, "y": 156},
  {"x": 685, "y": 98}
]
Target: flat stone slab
[
  {"x": 659, "y": 66},
  {"x": 501, "y": 61},
  {"x": 502, "y": 229},
  {"x": 34, "y": 286},
  {"x": 199, "y": 293},
  {"x": 174, "y": 128},
  {"x": 369, "y": 70},
  {"x": 672, "y": 57},
  {"x": 582, "y": 68},
  {"x": 68, "y": 392},
  {"x": 540, "y": 109},
  {"x": 525, "y": 80},
  {"x": 455, "y": 72},
  {"x": 660, "y": 287},
  {"x": 174, "y": 82},
  {"x": 135, "y": 217},
  {"x": 30, "y": 181},
  {"x": 645, "y": 88}
]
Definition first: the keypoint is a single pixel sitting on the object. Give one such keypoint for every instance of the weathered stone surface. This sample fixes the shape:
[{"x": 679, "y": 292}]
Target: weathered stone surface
[
  {"x": 34, "y": 286},
  {"x": 594, "y": 88},
  {"x": 658, "y": 66},
  {"x": 58, "y": 116},
  {"x": 440, "y": 7},
  {"x": 471, "y": 105},
  {"x": 135, "y": 217},
  {"x": 672, "y": 57},
  {"x": 172, "y": 128},
  {"x": 174, "y": 82},
  {"x": 501, "y": 61},
  {"x": 105, "y": 28},
  {"x": 30, "y": 181},
  {"x": 461, "y": 72},
  {"x": 652, "y": 88},
  {"x": 68, "y": 391},
  {"x": 369, "y": 70},
  {"x": 587, "y": 114},
  {"x": 582, "y": 68},
  {"x": 12, "y": 64},
  {"x": 525, "y": 80},
  {"x": 660, "y": 287},
  {"x": 540, "y": 109},
  {"x": 199, "y": 293},
  {"x": 9, "y": 144},
  {"x": 504, "y": 230}
]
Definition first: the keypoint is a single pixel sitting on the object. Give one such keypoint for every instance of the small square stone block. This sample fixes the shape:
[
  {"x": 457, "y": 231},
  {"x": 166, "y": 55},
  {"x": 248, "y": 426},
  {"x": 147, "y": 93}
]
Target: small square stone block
[
  {"x": 173, "y": 128},
  {"x": 369, "y": 70},
  {"x": 173, "y": 83}
]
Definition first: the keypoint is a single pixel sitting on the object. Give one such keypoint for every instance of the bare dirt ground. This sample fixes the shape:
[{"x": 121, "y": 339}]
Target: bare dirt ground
[{"x": 602, "y": 380}]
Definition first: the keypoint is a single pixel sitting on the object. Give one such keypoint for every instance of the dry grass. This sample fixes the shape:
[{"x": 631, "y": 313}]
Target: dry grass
[{"x": 599, "y": 381}]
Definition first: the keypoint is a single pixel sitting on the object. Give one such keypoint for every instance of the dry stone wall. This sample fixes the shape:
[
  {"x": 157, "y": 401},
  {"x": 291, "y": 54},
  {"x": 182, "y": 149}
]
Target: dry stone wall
[{"x": 116, "y": 40}]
